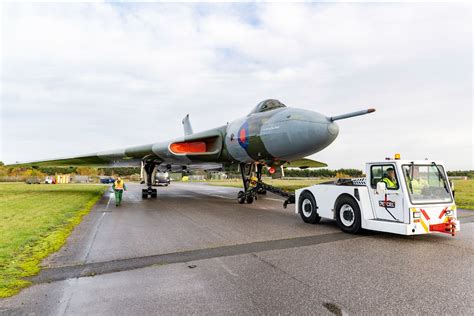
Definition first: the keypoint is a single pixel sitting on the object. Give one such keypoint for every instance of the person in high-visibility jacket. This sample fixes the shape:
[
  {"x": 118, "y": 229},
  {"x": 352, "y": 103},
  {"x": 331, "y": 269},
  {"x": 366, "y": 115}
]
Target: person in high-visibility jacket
[
  {"x": 118, "y": 187},
  {"x": 390, "y": 179},
  {"x": 416, "y": 184}
]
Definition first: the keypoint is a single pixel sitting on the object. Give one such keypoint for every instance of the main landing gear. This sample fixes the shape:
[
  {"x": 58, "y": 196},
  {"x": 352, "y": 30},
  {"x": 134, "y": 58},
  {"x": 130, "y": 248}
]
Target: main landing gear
[
  {"x": 254, "y": 186},
  {"x": 149, "y": 167}
]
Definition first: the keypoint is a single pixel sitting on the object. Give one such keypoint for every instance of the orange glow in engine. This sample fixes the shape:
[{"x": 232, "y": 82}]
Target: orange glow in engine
[
  {"x": 271, "y": 170},
  {"x": 191, "y": 147}
]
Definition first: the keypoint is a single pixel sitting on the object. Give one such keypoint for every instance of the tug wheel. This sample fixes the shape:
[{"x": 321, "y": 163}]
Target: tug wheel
[
  {"x": 249, "y": 199},
  {"x": 308, "y": 208},
  {"x": 348, "y": 215},
  {"x": 241, "y": 197}
]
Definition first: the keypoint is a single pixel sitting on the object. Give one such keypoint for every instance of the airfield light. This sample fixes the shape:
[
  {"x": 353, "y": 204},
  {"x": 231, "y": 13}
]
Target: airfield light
[{"x": 397, "y": 156}]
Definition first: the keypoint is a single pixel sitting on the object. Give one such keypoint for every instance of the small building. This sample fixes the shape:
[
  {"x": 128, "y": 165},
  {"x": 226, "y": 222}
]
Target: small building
[
  {"x": 81, "y": 179},
  {"x": 63, "y": 178}
]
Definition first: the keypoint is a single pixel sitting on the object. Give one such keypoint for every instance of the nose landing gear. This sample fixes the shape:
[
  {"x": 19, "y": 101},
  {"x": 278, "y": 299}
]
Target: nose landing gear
[
  {"x": 254, "y": 186},
  {"x": 149, "y": 167}
]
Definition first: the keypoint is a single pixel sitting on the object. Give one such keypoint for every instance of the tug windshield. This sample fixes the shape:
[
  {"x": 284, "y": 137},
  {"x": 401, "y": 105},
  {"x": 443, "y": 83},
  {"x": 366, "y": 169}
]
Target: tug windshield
[{"x": 427, "y": 184}]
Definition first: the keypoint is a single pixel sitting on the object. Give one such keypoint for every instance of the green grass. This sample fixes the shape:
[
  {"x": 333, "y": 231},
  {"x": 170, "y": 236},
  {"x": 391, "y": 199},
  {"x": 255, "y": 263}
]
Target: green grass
[
  {"x": 464, "y": 194},
  {"x": 464, "y": 188},
  {"x": 35, "y": 220}
]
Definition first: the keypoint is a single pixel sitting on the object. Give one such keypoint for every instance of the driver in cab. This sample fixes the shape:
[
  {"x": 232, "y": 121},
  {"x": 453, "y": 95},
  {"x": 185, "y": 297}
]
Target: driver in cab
[
  {"x": 390, "y": 179},
  {"x": 416, "y": 183}
]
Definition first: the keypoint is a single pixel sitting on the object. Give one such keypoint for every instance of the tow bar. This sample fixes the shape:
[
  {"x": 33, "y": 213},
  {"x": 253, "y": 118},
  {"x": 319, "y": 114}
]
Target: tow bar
[
  {"x": 449, "y": 227},
  {"x": 259, "y": 185}
]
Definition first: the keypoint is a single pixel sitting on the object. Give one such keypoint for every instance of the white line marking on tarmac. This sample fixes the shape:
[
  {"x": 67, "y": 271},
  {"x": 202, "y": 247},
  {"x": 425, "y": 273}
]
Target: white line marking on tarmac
[
  {"x": 223, "y": 197},
  {"x": 97, "y": 228},
  {"x": 110, "y": 198},
  {"x": 227, "y": 268},
  {"x": 66, "y": 297},
  {"x": 272, "y": 199}
]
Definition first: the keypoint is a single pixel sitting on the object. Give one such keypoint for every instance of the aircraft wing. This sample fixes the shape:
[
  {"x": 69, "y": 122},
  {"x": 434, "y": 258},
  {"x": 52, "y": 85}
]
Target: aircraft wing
[
  {"x": 157, "y": 153},
  {"x": 129, "y": 157},
  {"x": 304, "y": 164},
  {"x": 193, "y": 151}
]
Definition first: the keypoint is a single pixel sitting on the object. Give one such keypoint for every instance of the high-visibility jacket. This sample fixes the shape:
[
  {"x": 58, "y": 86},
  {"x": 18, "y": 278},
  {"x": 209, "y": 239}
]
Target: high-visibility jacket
[
  {"x": 119, "y": 185},
  {"x": 391, "y": 184},
  {"x": 418, "y": 185}
]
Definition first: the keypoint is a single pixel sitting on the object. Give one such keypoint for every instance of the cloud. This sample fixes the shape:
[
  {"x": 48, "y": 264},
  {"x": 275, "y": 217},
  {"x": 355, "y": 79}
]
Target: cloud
[{"x": 79, "y": 78}]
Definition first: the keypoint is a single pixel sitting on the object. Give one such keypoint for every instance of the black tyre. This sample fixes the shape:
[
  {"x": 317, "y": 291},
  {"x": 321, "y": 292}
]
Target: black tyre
[
  {"x": 348, "y": 215},
  {"x": 308, "y": 208},
  {"x": 249, "y": 199},
  {"x": 241, "y": 197}
]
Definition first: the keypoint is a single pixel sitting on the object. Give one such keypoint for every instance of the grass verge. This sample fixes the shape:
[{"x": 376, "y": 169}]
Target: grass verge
[
  {"x": 464, "y": 194},
  {"x": 35, "y": 220}
]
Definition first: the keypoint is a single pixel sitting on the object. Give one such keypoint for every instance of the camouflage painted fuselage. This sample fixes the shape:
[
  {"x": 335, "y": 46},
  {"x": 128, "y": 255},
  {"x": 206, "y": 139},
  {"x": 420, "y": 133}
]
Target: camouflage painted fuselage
[{"x": 271, "y": 134}]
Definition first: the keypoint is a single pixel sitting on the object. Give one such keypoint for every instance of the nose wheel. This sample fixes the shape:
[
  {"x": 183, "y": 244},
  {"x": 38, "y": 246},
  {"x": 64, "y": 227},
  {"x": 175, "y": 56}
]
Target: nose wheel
[
  {"x": 149, "y": 193},
  {"x": 253, "y": 186}
]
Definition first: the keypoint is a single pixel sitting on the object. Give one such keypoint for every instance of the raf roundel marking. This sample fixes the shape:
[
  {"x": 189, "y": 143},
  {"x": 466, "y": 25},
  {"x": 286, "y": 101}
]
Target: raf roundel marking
[{"x": 243, "y": 136}]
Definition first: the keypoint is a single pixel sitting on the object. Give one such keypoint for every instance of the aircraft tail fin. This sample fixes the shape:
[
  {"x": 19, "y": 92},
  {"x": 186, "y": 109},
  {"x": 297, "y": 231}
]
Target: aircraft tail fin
[{"x": 188, "y": 130}]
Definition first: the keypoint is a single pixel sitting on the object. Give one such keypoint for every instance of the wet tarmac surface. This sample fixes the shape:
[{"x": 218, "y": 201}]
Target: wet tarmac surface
[{"x": 194, "y": 250}]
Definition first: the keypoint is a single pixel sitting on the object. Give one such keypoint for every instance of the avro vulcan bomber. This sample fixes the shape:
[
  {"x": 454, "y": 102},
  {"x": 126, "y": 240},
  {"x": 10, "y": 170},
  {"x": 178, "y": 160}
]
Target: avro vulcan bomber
[{"x": 271, "y": 136}]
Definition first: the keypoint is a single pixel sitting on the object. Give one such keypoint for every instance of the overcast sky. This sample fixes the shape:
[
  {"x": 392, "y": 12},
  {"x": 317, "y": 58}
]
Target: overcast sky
[{"x": 80, "y": 78}]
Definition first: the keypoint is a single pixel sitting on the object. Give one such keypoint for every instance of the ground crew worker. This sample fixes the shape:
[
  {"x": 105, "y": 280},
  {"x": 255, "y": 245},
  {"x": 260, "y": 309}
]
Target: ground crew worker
[
  {"x": 417, "y": 183},
  {"x": 390, "y": 179},
  {"x": 118, "y": 187}
]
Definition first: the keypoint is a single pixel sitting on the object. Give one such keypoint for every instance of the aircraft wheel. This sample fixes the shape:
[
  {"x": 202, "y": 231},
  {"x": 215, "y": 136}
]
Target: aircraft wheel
[
  {"x": 249, "y": 199},
  {"x": 308, "y": 208},
  {"x": 348, "y": 215},
  {"x": 241, "y": 197}
]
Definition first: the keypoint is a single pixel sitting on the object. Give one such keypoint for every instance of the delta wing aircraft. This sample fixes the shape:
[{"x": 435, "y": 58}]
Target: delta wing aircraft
[{"x": 271, "y": 136}]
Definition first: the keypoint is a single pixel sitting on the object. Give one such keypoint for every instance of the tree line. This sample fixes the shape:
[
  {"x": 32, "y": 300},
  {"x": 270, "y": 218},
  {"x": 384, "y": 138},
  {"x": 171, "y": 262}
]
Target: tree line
[
  {"x": 461, "y": 173},
  {"x": 128, "y": 171},
  {"x": 51, "y": 171}
]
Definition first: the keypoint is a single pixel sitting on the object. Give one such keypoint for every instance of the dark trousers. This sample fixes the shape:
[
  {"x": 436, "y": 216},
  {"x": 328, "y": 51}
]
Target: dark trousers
[{"x": 118, "y": 197}]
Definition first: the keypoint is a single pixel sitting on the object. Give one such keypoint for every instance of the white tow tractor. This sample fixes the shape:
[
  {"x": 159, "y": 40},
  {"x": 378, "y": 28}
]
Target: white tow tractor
[{"x": 417, "y": 200}]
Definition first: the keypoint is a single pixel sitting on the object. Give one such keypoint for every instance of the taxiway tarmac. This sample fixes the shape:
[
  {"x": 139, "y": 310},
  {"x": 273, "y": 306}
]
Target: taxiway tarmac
[{"x": 194, "y": 250}]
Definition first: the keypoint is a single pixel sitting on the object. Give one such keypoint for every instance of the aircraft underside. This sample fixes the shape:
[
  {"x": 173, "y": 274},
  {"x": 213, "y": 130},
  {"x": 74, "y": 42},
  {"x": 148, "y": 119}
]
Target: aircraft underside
[{"x": 251, "y": 174}]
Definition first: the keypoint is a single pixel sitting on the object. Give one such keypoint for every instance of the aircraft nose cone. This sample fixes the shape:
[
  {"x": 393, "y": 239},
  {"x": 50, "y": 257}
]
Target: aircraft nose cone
[
  {"x": 298, "y": 133},
  {"x": 333, "y": 129}
]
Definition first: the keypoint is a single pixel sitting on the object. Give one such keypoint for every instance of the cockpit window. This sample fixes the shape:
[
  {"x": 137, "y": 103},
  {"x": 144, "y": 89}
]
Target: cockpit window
[{"x": 267, "y": 105}]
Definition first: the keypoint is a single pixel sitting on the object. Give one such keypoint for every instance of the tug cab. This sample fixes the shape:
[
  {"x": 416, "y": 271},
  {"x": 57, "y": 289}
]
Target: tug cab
[{"x": 421, "y": 202}]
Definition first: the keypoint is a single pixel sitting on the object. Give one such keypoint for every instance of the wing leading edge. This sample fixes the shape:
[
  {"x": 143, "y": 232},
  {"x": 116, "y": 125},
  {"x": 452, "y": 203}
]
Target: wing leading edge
[
  {"x": 128, "y": 157},
  {"x": 304, "y": 164}
]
